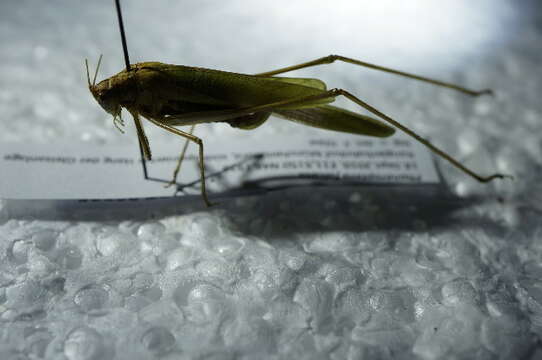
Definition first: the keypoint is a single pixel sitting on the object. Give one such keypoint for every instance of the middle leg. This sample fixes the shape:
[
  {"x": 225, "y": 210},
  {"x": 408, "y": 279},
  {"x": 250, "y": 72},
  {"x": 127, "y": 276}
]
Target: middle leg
[
  {"x": 181, "y": 158},
  {"x": 196, "y": 140}
]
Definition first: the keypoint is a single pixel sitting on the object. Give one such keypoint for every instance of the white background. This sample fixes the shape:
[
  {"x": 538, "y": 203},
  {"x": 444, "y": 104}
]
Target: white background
[{"x": 312, "y": 273}]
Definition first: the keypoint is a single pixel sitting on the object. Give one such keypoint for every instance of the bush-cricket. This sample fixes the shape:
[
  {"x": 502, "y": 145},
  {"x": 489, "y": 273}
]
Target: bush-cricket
[{"x": 177, "y": 95}]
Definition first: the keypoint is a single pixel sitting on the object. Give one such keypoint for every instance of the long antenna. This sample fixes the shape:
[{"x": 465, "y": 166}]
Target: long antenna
[
  {"x": 123, "y": 36},
  {"x": 127, "y": 60}
]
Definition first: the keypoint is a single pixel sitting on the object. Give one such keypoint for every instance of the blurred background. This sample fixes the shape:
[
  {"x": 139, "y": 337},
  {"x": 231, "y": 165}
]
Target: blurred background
[{"x": 357, "y": 273}]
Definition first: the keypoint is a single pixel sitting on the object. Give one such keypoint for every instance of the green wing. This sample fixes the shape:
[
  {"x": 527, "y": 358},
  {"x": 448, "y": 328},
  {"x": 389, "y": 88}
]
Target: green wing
[
  {"x": 227, "y": 89},
  {"x": 333, "y": 118},
  {"x": 308, "y": 82},
  {"x": 193, "y": 95},
  {"x": 324, "y": 117}
]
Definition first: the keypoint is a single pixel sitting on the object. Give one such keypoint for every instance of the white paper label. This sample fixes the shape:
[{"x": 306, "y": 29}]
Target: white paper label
[{"x": 78, "y": 171}]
